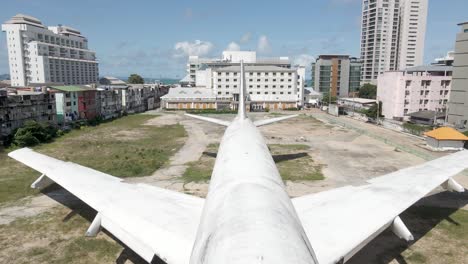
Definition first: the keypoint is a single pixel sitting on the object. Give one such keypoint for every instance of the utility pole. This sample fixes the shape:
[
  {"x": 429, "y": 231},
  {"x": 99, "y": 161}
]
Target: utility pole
[{"x": 378, "y": 110}]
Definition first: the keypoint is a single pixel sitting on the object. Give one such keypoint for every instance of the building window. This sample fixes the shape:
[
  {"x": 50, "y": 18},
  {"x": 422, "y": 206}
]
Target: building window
[{"x": 266, "y": 92}]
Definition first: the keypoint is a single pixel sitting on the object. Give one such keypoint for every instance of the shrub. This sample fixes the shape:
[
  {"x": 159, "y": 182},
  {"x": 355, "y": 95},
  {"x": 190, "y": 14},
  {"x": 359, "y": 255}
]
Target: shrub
[
  {"x": 415, "y": 129},
  {"x": 33, "y": 133}
]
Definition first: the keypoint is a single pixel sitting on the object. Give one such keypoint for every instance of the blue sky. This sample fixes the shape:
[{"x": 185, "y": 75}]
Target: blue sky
[{"x": 154, "y": 38}]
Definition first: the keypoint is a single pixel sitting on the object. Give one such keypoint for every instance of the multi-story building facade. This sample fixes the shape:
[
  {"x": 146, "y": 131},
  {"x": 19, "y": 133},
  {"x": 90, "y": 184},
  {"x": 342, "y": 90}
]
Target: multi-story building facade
[
  {"x": 412, "y": 33},
  {"x": 109, "y": 103},
  {"x": 74, "y": 103},
  {"x": 392, "y": 36},
  {"x": 272, "y": 83},
  {"x": 16, "y": 109},
  {"x": 40, "y": 54},
  {"x": 229, "y": 57},
  {"x": 338, "y": 75},
  {"x": 458, "y": 106},
  {"x": 419, "y": 88}
]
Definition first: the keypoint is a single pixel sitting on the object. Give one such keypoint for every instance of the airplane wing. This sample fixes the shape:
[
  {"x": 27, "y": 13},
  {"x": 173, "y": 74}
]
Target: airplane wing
[
  {"x": 272, "y": 120},
  {"x": 340, "y": 222},
  {"x": 150, "y": 220},
  {"x": 211, "y": 120}
]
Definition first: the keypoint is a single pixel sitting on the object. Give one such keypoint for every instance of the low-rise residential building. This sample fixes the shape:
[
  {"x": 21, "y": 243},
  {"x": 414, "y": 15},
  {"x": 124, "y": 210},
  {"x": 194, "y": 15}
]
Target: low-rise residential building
[
  {"x": 338, "y": 75},
  {"x": 74, "y": 103},
  {"x": 415, "y": 89},
  {"x": 109, "y": 103},
  {"x": 17, "y": 108}
]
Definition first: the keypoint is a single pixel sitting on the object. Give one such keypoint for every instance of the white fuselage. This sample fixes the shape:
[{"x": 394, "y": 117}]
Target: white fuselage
[{"x": 248, "y": 216}]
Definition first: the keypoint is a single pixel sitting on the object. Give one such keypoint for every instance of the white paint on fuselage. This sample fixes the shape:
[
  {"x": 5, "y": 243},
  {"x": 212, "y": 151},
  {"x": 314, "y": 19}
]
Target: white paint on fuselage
[{"x": 248, "y": 216}]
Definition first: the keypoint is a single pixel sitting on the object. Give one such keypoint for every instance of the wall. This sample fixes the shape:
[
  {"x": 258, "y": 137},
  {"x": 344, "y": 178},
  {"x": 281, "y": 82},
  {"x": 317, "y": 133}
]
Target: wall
[
  {"x": 400, "y": 93},
  {"x": 458, "y": 107}
]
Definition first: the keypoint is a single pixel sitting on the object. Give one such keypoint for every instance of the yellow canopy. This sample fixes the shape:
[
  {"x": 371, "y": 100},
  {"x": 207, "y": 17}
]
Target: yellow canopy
[{"x": 446, "y": 133}]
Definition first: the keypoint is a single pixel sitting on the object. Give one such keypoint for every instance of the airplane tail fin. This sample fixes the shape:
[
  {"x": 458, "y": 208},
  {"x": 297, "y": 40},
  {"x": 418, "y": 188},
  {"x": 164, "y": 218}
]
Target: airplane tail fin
[{"x": 242, "y": 93}]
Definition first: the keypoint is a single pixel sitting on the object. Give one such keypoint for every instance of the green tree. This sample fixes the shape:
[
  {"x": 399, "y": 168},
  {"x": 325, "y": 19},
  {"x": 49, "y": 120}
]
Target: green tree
[
  {"x": 326, "y": 99},
  {"x": 33, "y": 133},
  {"x": 368, "y": 91},
  {"x": 372, "y": 111},
  {"x": 135, "y": 79}
]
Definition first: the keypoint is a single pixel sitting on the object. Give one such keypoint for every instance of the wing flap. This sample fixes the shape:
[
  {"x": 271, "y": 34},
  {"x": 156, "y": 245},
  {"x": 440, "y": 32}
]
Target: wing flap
[
  {"x": 340, "y": 222},
  {"x": 150, "y": 220}
]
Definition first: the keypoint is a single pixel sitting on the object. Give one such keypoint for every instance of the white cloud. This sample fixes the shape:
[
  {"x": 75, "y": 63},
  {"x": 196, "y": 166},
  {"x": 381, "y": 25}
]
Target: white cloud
[
  {"x": 196, "y": 48},
  {"x": 246, "y": 38},
  {"x": 233, "y": 47},
  {"x": 263, "y": 44},
  {"x": 303, "y": 60}
]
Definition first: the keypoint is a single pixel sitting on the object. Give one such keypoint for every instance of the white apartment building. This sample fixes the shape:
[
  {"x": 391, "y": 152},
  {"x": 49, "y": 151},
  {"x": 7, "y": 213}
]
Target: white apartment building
[
  {"x": 414, "y": 89},
  {"x": 413, "y": 20},
  {"x": 229, "y": 57},
  {"x": 271, "y": 83},
  {"x": 392, "y": 36},
  {"x": 40, "y": 54}
]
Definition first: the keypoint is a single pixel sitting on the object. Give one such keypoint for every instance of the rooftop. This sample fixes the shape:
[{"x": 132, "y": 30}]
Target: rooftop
[
  {"x": 427, "y": 114},
  {"x": 183, "y": 92},
  {"x": 359, "y": 100},
  {"x": 429, "y": 68},
  {"x": 71, "y": 88},
  {"x": 25, "y": 19},
  {"x": 446, "y": 133},
  {"x": 258, "y": 68}
]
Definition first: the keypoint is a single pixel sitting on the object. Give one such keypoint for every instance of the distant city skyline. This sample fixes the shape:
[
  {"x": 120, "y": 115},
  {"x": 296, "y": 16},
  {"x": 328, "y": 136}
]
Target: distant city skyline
[{"x": 154, "y": 40}]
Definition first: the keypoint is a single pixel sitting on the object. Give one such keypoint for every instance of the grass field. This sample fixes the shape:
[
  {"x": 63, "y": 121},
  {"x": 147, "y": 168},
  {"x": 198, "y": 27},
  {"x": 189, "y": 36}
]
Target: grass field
[
  {"x": 51, "y": 238},
  {"x": 293, "y": 161},
  {"x": 440, "y": 233},
  {"x": 124, "y": 148}
]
